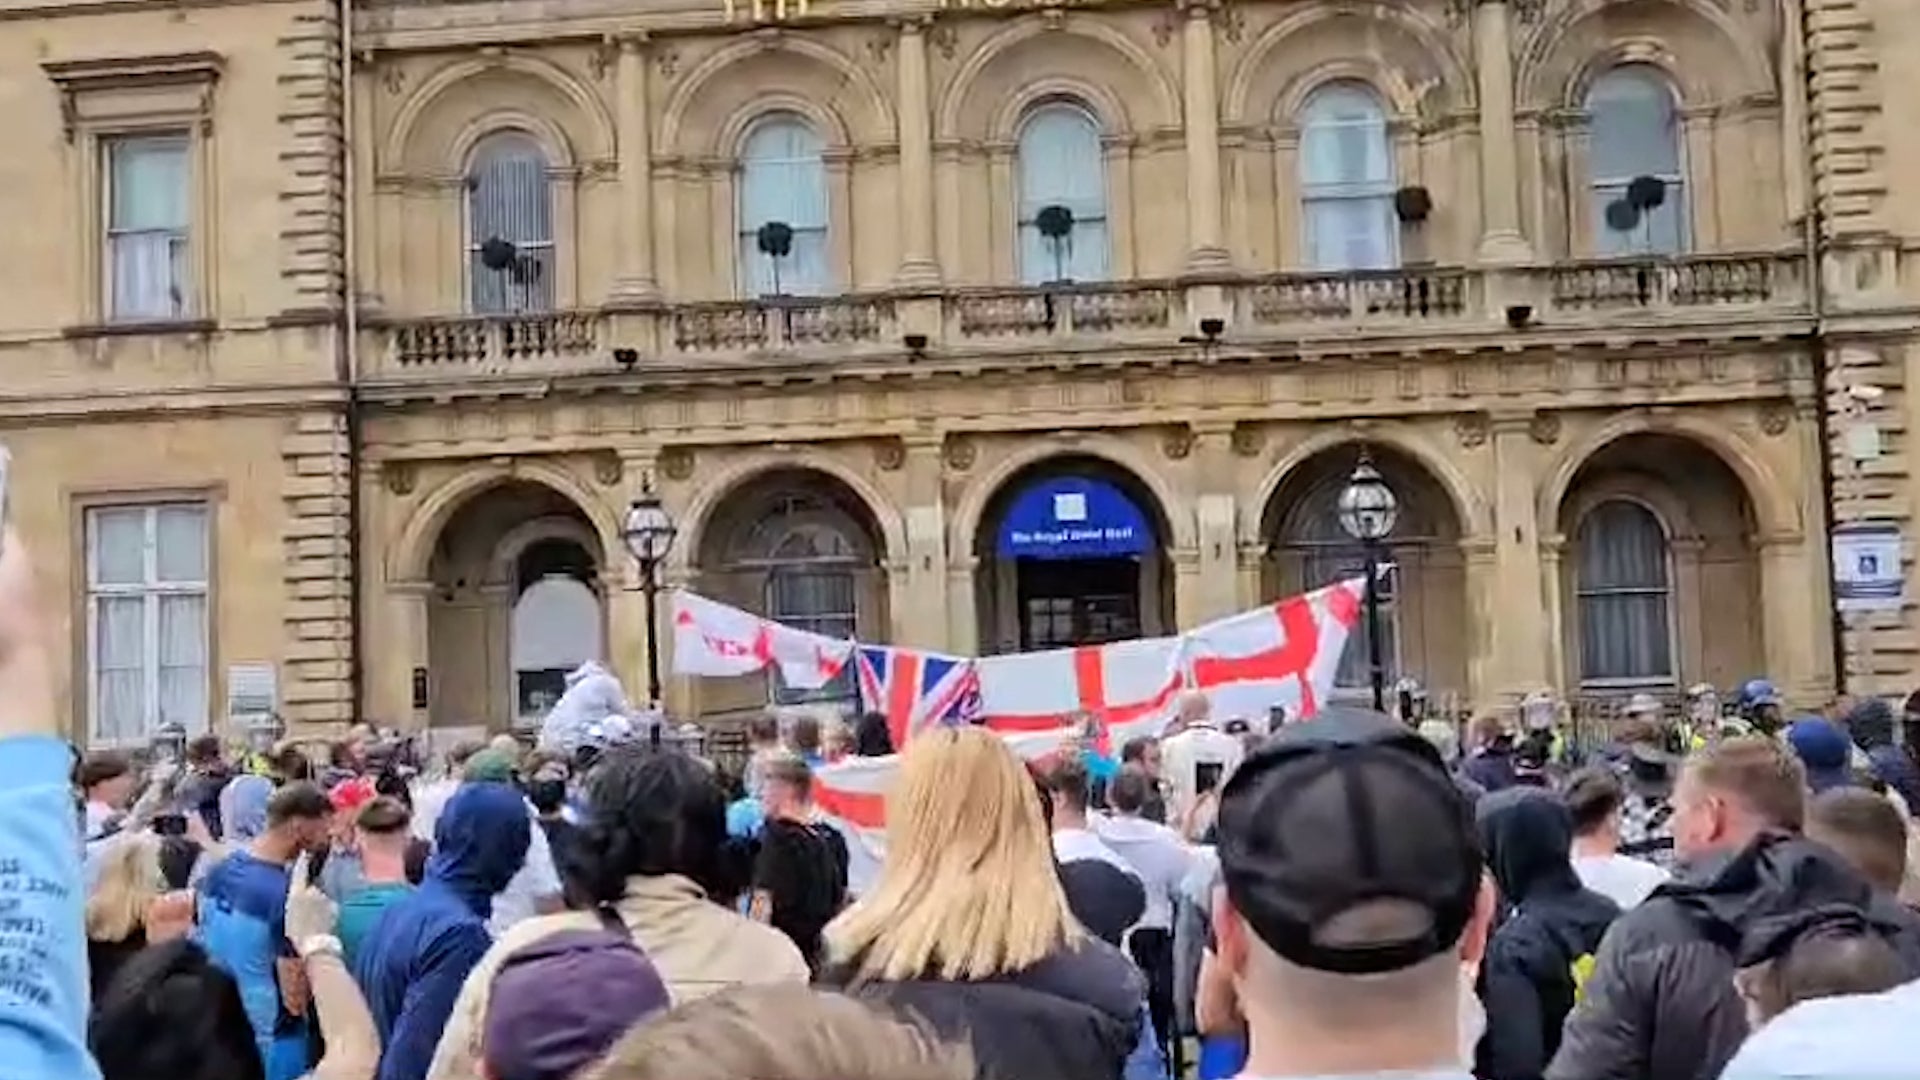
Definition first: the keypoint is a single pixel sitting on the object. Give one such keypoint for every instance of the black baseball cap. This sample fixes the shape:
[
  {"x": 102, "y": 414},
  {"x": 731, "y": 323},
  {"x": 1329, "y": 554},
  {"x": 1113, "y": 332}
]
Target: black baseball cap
[{"x": 1347, "y": 847}]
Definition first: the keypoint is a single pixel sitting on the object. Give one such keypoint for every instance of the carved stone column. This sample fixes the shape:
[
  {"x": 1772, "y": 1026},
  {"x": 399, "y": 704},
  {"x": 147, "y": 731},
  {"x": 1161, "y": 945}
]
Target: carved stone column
[
  {"x": 406, "y": 622},
  {"x": 921, "y": 619},
  {"x": 1500, "y": 240},
  {"x": 918, "y": 266},
  {"x": 1205, "y": 251},
  {"x": 634, "y": 280},
  {"x": 1518, "y": 627}
]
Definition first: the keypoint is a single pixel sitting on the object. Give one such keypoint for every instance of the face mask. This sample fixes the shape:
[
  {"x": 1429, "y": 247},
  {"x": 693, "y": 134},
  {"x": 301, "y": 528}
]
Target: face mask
[
  {"x": 1473, "y": 1016},
  {"x": 547, "y": 795}
]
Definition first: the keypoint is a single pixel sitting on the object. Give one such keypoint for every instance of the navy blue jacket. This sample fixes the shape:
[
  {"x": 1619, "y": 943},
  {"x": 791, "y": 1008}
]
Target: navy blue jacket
[{"x": 414, "y": 962}]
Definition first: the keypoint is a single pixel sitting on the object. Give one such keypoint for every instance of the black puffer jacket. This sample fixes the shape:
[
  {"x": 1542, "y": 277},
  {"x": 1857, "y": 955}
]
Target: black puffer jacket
[
  {"x": 1661, "y": 1003},
  {"x": 1073, "y": 1016},
  {"x": 1549, "y": 923}
]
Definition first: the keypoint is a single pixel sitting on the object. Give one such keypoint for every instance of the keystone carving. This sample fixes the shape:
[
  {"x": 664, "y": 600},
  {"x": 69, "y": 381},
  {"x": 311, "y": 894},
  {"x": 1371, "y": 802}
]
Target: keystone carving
[
  {"x": 676, "y": 462},
  {"x": 1775, "y": 418},
  {"x": 1545, "y": 429},
  {"x": 400, "y": 477},
  {"x": 961, "y": 454},
  {"x": 890, "y": 454}
]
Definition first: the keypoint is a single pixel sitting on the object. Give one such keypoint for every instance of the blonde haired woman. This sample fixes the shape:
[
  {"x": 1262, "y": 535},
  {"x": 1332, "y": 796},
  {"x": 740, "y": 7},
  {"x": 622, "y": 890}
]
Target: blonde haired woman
[
  {"x": 968, "y": 927},
  {"x": 130, "y": 908}
]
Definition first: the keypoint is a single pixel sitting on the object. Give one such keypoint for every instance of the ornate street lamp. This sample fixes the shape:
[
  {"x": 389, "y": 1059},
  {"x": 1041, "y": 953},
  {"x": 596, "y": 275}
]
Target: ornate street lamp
[
  {"x": 1367, "y": 512},
  {"x": 648, "y": 533}
]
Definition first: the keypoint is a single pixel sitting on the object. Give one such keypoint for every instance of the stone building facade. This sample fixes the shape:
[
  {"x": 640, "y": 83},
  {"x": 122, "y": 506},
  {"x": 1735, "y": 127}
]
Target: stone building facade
[{"x": 342, "y": 334}]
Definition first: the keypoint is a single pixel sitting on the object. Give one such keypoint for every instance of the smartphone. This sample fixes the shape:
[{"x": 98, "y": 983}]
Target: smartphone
[{"x": 1206, "y": 776}]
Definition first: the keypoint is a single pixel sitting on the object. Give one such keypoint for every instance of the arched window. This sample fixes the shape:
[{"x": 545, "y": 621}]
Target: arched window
[
  {"x": 509, "y": 226},
  {"x": 1061, "y": 165},
  {"x": 1623, "y": 594},
  {"x": 1634, "y": 131},
  {"x": 1346, "y": 180},
  {"x": 1328, "y": 555},
  {"x": 783, "y": 180},
  {"x": 812, "y": 553}
]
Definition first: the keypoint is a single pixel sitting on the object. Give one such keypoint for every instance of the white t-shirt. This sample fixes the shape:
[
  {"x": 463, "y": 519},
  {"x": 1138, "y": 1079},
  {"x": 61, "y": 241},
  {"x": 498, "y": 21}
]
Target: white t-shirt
[
  {"x": 1621, "y": 878},
  {"x": 536, "y": 880},
  {"x": 1074, "y": 845},
  {"x": 1157, "y": 855}
]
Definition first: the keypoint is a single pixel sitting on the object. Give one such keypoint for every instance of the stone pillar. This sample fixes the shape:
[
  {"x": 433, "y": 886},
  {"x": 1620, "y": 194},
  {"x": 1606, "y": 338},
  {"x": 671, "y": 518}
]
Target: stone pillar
[
  {"x": 1483, "y": 611},
  {"x": 920, "y": 614},
  {"x": 1215, "y": 514},
  {"x": 1500, "y": 240},
  {"x": 1205, "y": 251},
  {"x": 407, "y": 627},
  {"x": 963, "y": 609},
  {"x": 918, "y": 266},
  {"x": 634, "y": 278},
  {"x": 1516, "y": 612},
  {"x": 1792, "y": 643}
]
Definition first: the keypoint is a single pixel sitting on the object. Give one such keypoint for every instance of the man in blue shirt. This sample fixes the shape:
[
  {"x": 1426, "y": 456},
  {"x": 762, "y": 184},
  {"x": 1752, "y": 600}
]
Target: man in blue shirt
[{"x": 242, "y": 925}]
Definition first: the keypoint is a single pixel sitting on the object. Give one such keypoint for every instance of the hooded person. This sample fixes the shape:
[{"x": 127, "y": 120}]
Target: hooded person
[
  {"x": 243, "y": 808},
  {"x": 414, "y": 962},
  {"x": 1549, "y": 926},
  {"x": 1871, "y": 725},
  {"x": 1825, "y": 752},
  {"x": 593, "y": 696}
]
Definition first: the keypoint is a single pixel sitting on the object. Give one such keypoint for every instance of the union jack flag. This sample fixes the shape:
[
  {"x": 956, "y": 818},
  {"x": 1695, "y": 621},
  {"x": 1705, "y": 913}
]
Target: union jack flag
[{"x": 917, "y": 690}]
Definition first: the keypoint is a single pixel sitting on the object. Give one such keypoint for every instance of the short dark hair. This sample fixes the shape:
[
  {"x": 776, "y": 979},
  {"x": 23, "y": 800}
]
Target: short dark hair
[
  {"x": 1827, "y": 963},
  {"x": 1593, "y": 795},
  {"x": 871, "y": 736},
  {"x": 1131, "y": 791},
  {"x": 806, "y": 734},
  {"x": 763, "y": 728},
  {"x": 98, "y": 768},
  {"x": 1135, "y": 749},
  {"x": 384, "y": 816},
  {"x": 1066, "y": 777},
  {"x": 652, "y": 813},
  {"x": 301, "y": 800},
  {"x": 170, "y": 1012},
  {"x": 204, "y": 750},
  {"x": 1866, "y": 830},
  {"x": 788, "y": 769}
]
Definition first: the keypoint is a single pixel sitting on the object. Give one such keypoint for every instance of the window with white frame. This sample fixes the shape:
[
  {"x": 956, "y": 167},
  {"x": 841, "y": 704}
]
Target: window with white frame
[
  {"x": 148, "y": 187},
  {"x": 783, "y": 183},
  {"x": 510, "y": 255},
  {"x": 1634, "y": 133},
  {"x": 147, "y": 647},
  {"x": 1624, "y": 596},
  {"x": 1346, "y": 180},
  {"x": 1062, "y": 168}
]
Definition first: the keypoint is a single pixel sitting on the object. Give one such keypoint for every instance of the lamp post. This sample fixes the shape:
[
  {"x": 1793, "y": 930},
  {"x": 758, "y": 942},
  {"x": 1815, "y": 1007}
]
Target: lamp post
[
  {"x": 1367, "y": 512},
  {"x": 648, "y": 532}
]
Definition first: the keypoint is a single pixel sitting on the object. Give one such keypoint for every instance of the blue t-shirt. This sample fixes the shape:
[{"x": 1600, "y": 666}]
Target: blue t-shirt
[{"x": 243, "y": 927}]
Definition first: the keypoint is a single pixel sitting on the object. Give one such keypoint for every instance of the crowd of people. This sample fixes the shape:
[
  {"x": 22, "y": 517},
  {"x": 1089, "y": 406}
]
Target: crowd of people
[{"x": 1349, "y": 895}]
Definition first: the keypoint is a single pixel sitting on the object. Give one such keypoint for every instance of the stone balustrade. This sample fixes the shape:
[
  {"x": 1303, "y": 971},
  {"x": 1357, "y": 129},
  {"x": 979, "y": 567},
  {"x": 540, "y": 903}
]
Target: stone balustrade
[{"x": 1252, "y": 309}]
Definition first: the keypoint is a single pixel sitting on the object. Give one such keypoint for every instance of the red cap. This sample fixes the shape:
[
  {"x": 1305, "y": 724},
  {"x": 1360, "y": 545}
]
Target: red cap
[{"x": 350, "y": 795}]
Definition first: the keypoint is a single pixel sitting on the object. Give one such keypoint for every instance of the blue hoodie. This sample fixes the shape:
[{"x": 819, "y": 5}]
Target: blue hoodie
[
  {"x": 413, "y": 963},
  {"x": 1823, "y": 748}
]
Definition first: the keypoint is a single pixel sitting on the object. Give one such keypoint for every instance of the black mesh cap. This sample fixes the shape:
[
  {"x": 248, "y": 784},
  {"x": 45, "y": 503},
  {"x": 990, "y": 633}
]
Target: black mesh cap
[{"x": 1346, "y": 846}]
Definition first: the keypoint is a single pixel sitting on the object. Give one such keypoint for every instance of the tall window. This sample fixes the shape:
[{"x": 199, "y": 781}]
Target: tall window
[
  {"x": 146, "y": 620},
  {"x": 147, "y": 194},
  {"x": 1623, "y": 596},
  {"x": 1062, "y": 166},
  {"x": 783, "y": 181},
  {"x": 509, "y": 226},
  {"x": 812, "y": 556},
  {"x": 1635, "y": 132},
  {"x": 1346, "y": 180}
]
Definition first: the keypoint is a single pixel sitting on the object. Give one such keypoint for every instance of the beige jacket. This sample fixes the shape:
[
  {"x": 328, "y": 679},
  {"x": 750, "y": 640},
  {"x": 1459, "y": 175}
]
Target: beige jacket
[{"x": 698, "y": 947}]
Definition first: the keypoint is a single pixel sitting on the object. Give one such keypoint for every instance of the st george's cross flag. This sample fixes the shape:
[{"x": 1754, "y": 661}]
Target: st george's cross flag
[
  {"x": 1122, "y": 683},
  {"x": 916, "y": 689},
  {"x": 1286, "y": 653},
  {"x": 710, "y": 638}
]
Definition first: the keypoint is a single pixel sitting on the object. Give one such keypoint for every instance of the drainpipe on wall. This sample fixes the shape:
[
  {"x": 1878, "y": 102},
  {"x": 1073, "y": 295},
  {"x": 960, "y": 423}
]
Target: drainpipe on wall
[{"x": 349, "y": 370}]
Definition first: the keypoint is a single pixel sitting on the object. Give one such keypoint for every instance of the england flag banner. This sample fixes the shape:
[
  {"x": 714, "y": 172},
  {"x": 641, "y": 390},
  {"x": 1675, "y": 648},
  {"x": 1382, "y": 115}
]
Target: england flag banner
[
  {"x": 1284, "y": 654},
  {"x": 713, "y": 639}
]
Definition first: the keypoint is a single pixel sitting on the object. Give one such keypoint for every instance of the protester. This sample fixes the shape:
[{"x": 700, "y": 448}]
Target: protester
[
  {"x": 1866, "y": 830},
  {"x": 1195, "y": 759},
  {"x": 1594, "y": 799},
  {"x": 1161, "y": 860},
  {"x": 381, "y": 836},
  {"x": 804, "y": 739},
  {"x": 1662, "y": 1001},
  {"x": 207, "y": 776},
  {"x": 968, "y": 925},
  {"x": 1142, "y": 755},
  {"x": 871, "y": 736},
  {"x": 242, "y": 910},
  {"x": 1824, "y": 751},
  {"x": 1103, "y": 891},
  {"x": 1489, "y": 759},
  {"x": 341, "y": 873},
  {"x": 1646, "y": 817},
  {"x": 1548, "y": 927},
  {"x": 129, "y": 907},
  {"x": 783, "y": 1033},
  {"x": 431, "y": 798},
  {"x": 1828, "y": 951},
  {"x": 243, "y": 809},
  {"x": 1353, "y": 906},
  {"x": 107, "y": 781},
  {"x": 763, "y": 745},
  {"x": 1854, "y": 1037},
  {"x": 414, "y": 962},
  {"x": 1871, "y": 725},
  {"x": 800, "y": 874},
  {"x": 559, "y": 1004},
  {"x": 172, "y": 1012}
]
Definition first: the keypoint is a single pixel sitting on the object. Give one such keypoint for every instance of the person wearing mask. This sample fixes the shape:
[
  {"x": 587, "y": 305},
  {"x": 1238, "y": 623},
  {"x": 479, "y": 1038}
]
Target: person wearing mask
[
  {"x": 548, "y": 788},
  {"x": 560, "y": 1003},
  {"x": 1489, "y": 763},
  {"x": 1661, "y": 1001},
  {"x": 242, "y": 911},
  {"x": 1866, "y": 830},
  {"x": 1594, "y": 799},
  {"x": 968, "y": 927},
  {"x": 382, "y": 834},
  {"x": 1824, "y": 752},
  {"x": 1353, "y": 909},
  {"x": 130, "y": 907},
  {"x": 414, "y": 962},
  {"x": 800, "y": 874},
  {"x": 174, "y": 1013},
  {"x": 1161, "y": 860},
  {"x": 1548, "y": 927}
]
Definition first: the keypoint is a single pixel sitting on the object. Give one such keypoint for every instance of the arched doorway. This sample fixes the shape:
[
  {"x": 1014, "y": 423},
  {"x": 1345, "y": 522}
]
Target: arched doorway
[
  {"x": 1424, "y": 618},
  {"x": 1072, "y": 551},
  {"x": 517, "y": 604},
  {"x": 802, "y": 548},
  {"x": 1654, "y": 525}
]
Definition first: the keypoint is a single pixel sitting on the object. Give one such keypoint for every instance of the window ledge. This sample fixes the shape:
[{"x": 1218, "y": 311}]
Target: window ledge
[{"x": 138, "y": 328}]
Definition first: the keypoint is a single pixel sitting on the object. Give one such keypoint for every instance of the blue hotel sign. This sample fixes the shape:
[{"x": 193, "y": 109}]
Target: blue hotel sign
[{"x": 1073, "y": 517}]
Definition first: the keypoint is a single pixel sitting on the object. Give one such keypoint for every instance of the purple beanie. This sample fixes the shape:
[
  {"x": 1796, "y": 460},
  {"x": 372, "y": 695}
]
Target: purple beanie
[{"x": 562, "y": 1002}]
